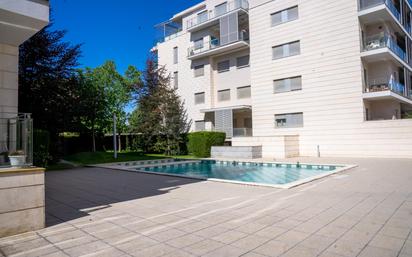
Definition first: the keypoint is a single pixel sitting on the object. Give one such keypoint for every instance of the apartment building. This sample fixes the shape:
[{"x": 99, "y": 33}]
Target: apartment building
[{"x": 299, "y": 78}]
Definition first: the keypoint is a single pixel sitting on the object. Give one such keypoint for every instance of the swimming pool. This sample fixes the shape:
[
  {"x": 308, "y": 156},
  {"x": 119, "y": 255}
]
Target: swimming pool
[{"x": 283, "y": 175}]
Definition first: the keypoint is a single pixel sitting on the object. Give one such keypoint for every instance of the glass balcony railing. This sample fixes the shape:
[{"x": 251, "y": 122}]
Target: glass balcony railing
[
  {"x": 217, "y": 12},
  {"x": 242, "y": 132},
  {"x": 385, "y": 84},
  {"x": 16, "y": 140},
  {"x": 381, "y": 41},
  {"x": 201, "y": 47},
  {"x": 366, "y": 4}
]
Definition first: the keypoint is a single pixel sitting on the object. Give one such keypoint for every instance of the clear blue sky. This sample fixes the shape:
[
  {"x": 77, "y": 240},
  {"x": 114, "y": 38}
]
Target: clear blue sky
[{"x": 119, "y": 30}]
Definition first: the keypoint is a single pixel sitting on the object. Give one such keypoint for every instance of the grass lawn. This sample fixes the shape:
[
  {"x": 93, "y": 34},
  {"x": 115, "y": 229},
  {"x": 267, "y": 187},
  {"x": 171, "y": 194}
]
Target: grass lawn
[{"x": 86, "y": 158}]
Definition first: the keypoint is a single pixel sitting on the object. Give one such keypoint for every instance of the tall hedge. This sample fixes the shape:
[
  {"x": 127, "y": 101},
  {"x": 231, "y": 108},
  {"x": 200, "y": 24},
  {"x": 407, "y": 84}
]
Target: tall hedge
[
  {"x": 200, "y": 143},
  {"x": 41, "y": 143}
]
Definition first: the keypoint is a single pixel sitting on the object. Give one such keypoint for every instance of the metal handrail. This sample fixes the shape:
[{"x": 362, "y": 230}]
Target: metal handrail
[
  {"x": 385, "y": 84},
  {"x": 231, "y": 6},
  {"x": 366, "y": 4}
]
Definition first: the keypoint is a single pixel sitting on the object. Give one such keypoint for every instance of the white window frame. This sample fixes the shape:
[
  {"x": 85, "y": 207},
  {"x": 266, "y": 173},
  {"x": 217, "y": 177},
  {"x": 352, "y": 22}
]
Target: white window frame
[
  {"x": 219, "y": 99},
  {"x": 287, "y": 81},
  {"x": 244, "y": 87},
  {"x": 225, "y": 70},
  {"x": 286, "y": 50},
  {"x": 290, "y": 117},
  {"x": 199, "y": 67},
  {"x": 242, "y": 66},
  {"x": 175, "y": 55},
  {"x": 198, "y": 94},
  {"x": 284, "y": 15}
]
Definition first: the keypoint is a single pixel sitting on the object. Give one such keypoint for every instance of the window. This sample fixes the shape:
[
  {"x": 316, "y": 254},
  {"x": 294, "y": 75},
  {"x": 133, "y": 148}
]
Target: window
[
  {"x": 286, "y": 50},
  {"x": 202, "y": 17},
  {"x": 223, "y": 66},
  {"x": 288, "y": 84},
  {"x": 283, "y": 16},
  {"x": 198, "y": 44},
  {"x": 200, "y": 125},
  {"x": 175, "y": 55},
  {"x": 242, "y": 61},
  {"x": 243, "y": 92},
  {"x": 200, "y": 98},
  {"x": 223, "y": 95},
  {"x": 176, "y": 79},
  {"x": 199, "y": 70},
  {"x": 289, "y": 120},
  {"x": 220, "y": 9}
]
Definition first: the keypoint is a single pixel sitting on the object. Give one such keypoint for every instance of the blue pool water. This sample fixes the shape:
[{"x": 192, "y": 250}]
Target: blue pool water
[{"x": 264, "y": 173}]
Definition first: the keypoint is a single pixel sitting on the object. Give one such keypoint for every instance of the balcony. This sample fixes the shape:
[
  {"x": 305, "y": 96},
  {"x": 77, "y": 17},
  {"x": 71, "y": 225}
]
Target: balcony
[
  {"x": 372, "y": 11},
  {"x": 216, "y": 46},
  {"x": 383, "y": 47},
  {"x": 208, "y": 18},
  {"x": 387, "y": 88}
]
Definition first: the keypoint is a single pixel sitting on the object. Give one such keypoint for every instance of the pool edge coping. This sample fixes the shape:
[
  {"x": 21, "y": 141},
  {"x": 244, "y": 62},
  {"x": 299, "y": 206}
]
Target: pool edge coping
[{"x": 278, "y": 186}]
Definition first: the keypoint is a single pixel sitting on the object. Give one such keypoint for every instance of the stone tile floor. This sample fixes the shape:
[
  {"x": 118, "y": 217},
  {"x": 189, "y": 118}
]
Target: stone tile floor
[{"x": 366, "y": 211}]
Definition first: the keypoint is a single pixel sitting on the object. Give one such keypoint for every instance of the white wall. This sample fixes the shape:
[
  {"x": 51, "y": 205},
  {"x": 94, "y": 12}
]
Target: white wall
[{"x": 8, "y": 79}]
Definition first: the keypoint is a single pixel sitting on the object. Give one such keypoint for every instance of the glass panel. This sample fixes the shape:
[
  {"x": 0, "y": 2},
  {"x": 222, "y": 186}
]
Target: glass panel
[
  {"x": 198, "y": 44},
  {"x": 223, "y": 95},
  {"x": 294, "y": 48},
  {"x": 200, "y": 125},
  {"x": 243, "y": 92},
  {"x": 296, "y": 83},
  {"x": 176, "y": 80},
  {"x": 229, "y": 29},
  {"x": 175, "y": 55},
  {"x": 277, "y": 52},
  {"x": 220, "y": 9},
  {"x": 276, "y": 18},
  {"x": 199, "y": 70},
  {"x": 242, "y": 61},
  {"x": 199, "y": 98},
  {"x": 202, "y": 17},
  {"x": 289, "y": 120},
  {"x": 223, "y": 66},
  {"x": 293, "y": 13}
]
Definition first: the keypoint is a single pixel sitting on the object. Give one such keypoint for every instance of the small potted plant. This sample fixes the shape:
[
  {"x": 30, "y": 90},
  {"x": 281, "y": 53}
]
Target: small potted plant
[{"x": 17, "y": 159}]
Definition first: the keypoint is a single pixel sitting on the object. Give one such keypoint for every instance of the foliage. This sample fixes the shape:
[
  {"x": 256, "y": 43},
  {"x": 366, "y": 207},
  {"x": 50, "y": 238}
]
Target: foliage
[
  {"x": 161, "y": 118},
  {"x": 47, "y": 81},
  {"x": 85, "y": 158},
  {"x": 200, "y": 143},
  {"x": 41, "y": 142},
  {"x": 104, "y": 93}
]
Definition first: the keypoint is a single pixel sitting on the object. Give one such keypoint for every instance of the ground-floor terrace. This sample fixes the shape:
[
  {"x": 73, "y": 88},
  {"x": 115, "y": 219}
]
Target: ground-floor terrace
[{"x": 365, "y": 211}]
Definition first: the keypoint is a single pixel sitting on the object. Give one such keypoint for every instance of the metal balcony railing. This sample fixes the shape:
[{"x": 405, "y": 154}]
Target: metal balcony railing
[
  {"x": 16, "y": 136},
  {"x": 217, "y": 12},
  {"x": 385, "y": 84},
  {"x": 242, "y": 132},
  {"x": 382, "y": 41},
  {"x": 202, "y": 47}
]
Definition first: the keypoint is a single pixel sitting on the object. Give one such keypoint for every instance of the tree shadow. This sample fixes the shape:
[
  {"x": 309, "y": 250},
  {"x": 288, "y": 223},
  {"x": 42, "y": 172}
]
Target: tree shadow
[{"x": 72, "y": 194}]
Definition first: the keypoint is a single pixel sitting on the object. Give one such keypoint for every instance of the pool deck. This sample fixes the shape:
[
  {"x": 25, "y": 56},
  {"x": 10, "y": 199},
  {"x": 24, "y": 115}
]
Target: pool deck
[{"x": 364, "y": 211}]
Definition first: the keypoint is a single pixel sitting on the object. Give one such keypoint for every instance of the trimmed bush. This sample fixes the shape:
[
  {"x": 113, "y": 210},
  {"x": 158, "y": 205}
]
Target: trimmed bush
[
  {"x": 200, "y": 143},
  {"x": 41, "y": 143}
]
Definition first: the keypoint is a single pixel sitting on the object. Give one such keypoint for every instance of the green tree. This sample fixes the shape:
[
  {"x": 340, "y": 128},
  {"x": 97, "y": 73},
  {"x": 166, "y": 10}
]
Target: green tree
[
  {"x": 105, "y": 93},
  {"x": 47, "y": 82},
  {"x": 161, "y": 116}
]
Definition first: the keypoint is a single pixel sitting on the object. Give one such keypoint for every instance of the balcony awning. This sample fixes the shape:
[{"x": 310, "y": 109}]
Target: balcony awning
[{"x": 236, "y": 107}]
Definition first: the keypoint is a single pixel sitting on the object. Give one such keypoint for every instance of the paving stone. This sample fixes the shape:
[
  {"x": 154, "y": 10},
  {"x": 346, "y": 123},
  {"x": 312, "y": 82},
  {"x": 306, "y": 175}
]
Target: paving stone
[
  {"x": 301, "y": 251},
  {"x": 154, "y": 251},
  {"x": 371, "y": 251},
  {"x": 203, "y": 247},
  {"x": 252, "y": 254},
  {"x": 167, "y": 235},
  {"x": 250, "y": 242},
  {"x": 226, "y": 251},
  {"x": 386, "y": 242},
  {"x": 331, "y": 231},
  {"x": 271, "y": 232},
  {"x": 407, "y": 247},
  {"x": 250, "y": 228},
  {"x": 136, "y": 244},
  {"x": 292, "y": 237},
  {"x": 86, "y": 248},
  {"x": 211, "y": 231},
  {"x": 401, "y": 233},
  {"x": 183, "y": 241},
  {"x": 273, "y": 248},
  {"x": 178, "y": 253},
  {"x": 230, "y": 236},
  {"x": 317, "y": 242},
  {"x": 346, "y": 248}
]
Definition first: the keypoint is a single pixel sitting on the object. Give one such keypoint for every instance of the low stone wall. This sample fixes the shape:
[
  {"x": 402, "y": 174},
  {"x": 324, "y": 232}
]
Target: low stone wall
[
  {"x": 272, "y": 147},
  {"x": 242, "y": 152},
  {"x": 21, "y": 200}
]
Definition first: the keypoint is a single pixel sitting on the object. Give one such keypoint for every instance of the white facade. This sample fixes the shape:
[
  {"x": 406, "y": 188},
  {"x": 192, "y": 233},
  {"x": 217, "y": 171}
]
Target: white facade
[
  {"x": 19, "y": 20},
  {"x": 343, "y": 84}
]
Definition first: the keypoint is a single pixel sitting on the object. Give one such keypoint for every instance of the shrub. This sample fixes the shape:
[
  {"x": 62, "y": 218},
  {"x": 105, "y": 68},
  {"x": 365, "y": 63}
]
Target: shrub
[
  {"x": 41, "y": 142},
  {"x": 200, "y": 143}
]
